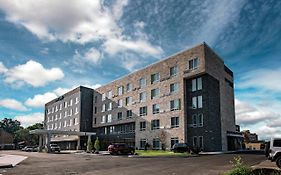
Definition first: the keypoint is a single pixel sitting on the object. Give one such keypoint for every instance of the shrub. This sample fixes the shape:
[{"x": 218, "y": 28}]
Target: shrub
[
  {"x": 97, "y": 145},
  {"x": 239, "y": 168}
]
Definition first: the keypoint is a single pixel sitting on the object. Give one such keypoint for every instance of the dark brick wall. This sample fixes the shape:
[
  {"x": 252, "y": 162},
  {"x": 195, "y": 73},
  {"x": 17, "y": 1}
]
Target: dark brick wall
[
  {"x": 211, "y": 130},
  {"x": 86, "y": 109}
]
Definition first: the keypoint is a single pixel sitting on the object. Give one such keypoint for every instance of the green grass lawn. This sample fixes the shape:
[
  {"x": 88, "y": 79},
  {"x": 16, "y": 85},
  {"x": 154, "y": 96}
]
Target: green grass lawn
[{"x": 159, "y": 153}]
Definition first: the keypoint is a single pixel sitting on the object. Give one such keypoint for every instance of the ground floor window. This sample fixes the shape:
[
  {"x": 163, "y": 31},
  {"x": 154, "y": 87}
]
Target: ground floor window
[
  {"x": 174, "y": 140},
  {"x": 142, "y": 143},
  {"x": 198, "y": 142},
  {"x": 156, "y": 144}
]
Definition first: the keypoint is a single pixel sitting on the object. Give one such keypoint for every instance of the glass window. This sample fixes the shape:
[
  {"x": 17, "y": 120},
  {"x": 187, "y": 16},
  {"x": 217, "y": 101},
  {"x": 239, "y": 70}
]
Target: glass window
[
  {"x": 143, "y": 126},
  {"x": 175, "y": 105},
  {"x": 119, "y": 115},
  {"x": 156, "y": 143},
  {"x": 200, "y": 120},
  {"x": 194, "y": 120},
  {"x": 109, "y": 118},
  {"x": 277, "y": 143},
  {"x": 120, "y": 90},
  {"x": 142, "y": 96},
  {"x": 195, "y": 141},
  {"x": 201, "y": 142},
  {"x": 174, "y": 140},
  {"x": 129, "y": 87},
  {"x": 60, "y": 106},
  {"x": 142, "y": 82},
  {"x": 199, "y": 83},
  {"x": 194, "y": 102},
  {"x": 109, "y": 94},
  {"x": 155, "y": 108},
  {"x": 76, "y": 100},
  {"x": 70, "y": 112},
  {"x": 120, "y": 103},
  {"x": 193, "y": 85},
  {"x": 103, "y": 96},
  {"x": 174, "y": 87},
  {"x": 128, "y": 100},
  {"x": 155, "y": 78},
  {"x": 174, "y": 122},
  {"x": 129, "y": 113},
  {"x": 194, "y": 63},
  {"x": 155, "y": 93},
  {"x": 103, "y": 119},
  {"x": 143, "y": 111},
  {"x": 109, "y": 106},
  {"x": 196, "y": 84},
  {"x": 200, "y": 105},
  {"x": 155, "y": 124},
  {"x": 173, "y": 71},
  {"x": 71, "y": 101},
  {"x": 142, "y": 143},
  {"x": 103, "y": 108}
]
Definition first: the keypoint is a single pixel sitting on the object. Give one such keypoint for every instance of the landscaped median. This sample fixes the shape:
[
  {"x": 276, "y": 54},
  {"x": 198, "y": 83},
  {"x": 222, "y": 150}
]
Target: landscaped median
[{"x": 160, "y": 153}]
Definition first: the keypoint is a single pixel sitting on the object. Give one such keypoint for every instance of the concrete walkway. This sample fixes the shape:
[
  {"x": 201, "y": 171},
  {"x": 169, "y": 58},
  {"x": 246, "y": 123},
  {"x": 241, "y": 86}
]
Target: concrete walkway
[
  {"x": 267, "y": 164},
  {"x": 8, "y": 161}
]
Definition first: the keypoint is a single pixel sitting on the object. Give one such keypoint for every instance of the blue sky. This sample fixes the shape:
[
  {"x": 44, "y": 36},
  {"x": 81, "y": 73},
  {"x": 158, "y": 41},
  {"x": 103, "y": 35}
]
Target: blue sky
[{"x": 49, "y": 47}]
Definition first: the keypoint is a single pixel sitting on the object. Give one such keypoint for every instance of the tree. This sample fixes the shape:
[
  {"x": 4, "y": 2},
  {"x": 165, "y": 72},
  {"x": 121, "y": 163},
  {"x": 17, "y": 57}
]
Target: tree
[
  {"x": 89, "y": 144},
  {"x": 10, "y": 125},
  {"x": 162, "y": 138},
  {"x": 97, "y": 145},
  {"x": 23, "y": 135}
]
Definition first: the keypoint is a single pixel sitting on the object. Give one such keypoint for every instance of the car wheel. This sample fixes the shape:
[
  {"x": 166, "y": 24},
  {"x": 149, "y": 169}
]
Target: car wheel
[{"x": 278, "y": 162}]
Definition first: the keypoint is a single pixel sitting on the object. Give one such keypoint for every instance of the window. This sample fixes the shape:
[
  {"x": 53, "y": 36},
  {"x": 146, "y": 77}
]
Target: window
[
  {"x": 155, "y": 124},
  {"x": 174, "y": 122},
  {"x": 277, "y": 143},
  {"x": 155, "y": 108},
  {"x": 60, "y": 116},
  {"x": 76, "y": 100},
  {"x": 143, "y": 126},
  {"x": 194, "y": 120},
  {"x": 129, "y": 113},
  {"x": 194, "y": 63},
  {"x": 103, "y": 108},
  {"x": 120, "y": 103},
  {"x": 200, "y": 120},
  {"x": 155, "y": 78},
  {"x": 109, "y": 106},
  {"x": 65, "y": 104},
  {"x": 197, "y": 120},
  {"x": 173, "y": 71},
  {"x": 109, "y": 94},
  {"x": 64, "y": 124},
  {"x": 142, "y": 96},
  {"x": 195, "y": 141},
  {"x": 201, "y": 142},
  {"x": 56, "y": 126},
  {"x": 128, "y": 100},
  {"x": 65, "y": 114},
  {"x": 156, "y": 144},
  {"x": 129, "y": 87},
  {"x": 60, "y": 125},
  {"x": 142, "y": 82},
  {"x": 196, "y": 84},
  {"x": 70, "y": 102},
  {"x": 120, "y": 90},
  {"x": 109, "y": 118},
  {"x": 155, "y": 93},
  {"x": 175, "y": 105},
  {"x": 61, "y": 106},
  {"x": 174, "y": 87},
  {"x": 70, "y": 122},
  {"x": 74, "y": 121},
  {"x": 53, "y": 109},
  {"x": 76, "y": 110},
  {"x": 198, "y": 142},
  {"x": 96, "y": 110},
  {"x": 56, "y": 117},
  {"x": 103, "y": 119},
  {"x": 119, "y": 116},
  {"x": 142, "y": 143},
  {"x": 197, "y": 102},
  {"x": 103, "y": 97},
  {"x": 56, "y": 108},
  {"x": 95, "y": 121},
  {"x": 70, "y": 112},
  {"x": 111, "y": 129},
  {"x": 143, "y": 111},
  {"x": 174, "y": 140}
]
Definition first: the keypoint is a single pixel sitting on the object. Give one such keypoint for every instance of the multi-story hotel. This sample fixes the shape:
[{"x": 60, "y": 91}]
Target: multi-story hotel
[
  {"x": 187, "y": 98},
  {"x": 70, "y": 112}
]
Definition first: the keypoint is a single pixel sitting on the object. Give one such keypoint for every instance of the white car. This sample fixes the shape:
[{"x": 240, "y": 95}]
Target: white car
[{"x": 275, "y": 151}]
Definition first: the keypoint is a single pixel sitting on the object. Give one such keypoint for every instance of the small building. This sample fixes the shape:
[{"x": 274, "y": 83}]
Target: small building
[
  {"x": 249, "y": 137},
  {"x": 257, "y": 145},
  {"x": 6, "y": 140}
]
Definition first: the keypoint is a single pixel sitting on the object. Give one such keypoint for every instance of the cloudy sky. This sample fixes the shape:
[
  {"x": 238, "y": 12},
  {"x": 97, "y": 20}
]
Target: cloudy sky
[{"x": 49, "y": 47}]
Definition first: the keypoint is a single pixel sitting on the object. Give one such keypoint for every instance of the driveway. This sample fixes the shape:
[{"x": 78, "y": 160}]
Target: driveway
[{"x": 66, "y": 164}]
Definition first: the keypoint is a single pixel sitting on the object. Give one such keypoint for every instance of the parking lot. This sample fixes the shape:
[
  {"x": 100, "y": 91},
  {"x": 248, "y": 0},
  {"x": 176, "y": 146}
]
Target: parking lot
[{"x": 66, "y": 164}]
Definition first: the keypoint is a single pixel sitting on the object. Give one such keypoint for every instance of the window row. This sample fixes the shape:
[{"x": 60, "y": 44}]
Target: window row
[
  {"x": 155, "y": 124},
  {"x": 156, "y": 143},
  {"x": 119, "y": 129},
  {"x": 66, "y": 123},
  {"x": 61, "y": 115},
  {"x": 62, "y": 105},
  {"x": 142, "y": 82}
]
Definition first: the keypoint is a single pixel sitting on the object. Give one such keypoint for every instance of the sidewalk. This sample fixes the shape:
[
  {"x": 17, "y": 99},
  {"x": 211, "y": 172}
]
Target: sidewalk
[
  {"x": 267, "y": 164},
  {"x": 8, "y": 161}
]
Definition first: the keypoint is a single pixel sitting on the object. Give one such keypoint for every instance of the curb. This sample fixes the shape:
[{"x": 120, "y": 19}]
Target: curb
[{"x": 137, "y": 156}]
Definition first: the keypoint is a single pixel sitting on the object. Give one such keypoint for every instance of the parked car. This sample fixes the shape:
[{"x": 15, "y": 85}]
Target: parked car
[
  {"x": 54, "y": 147},
  {"x": 180, "y": 148},
  {"x": 29, "y": 148},
  {"x": 275, "y": 151},
  {"x": 120, "y": 148}
]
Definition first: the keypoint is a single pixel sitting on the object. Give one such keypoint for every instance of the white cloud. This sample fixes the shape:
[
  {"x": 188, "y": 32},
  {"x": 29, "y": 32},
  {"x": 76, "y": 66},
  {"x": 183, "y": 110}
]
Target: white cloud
[
  {"x": 12, "y": 104},
  {"x": 266, "y": 79},
  {"x": 266, "y": 132},
  {"x": 91, "y": 21},
  {"x": 30, "y": 119},
  {"x": 3, "y": 69},
  {"x": 32, "y": 73},
  {"x": 39, "y": 100},
  {"x": 92, "y": 56}
]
